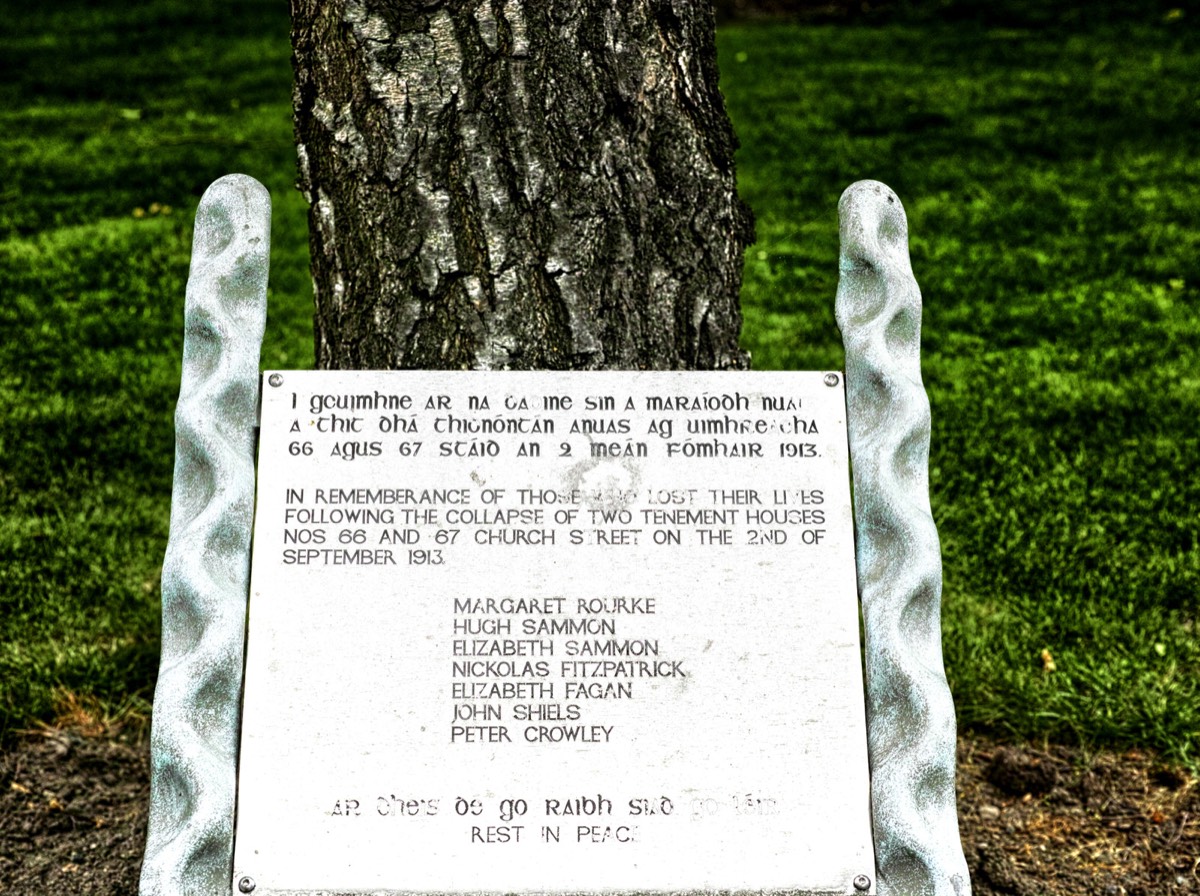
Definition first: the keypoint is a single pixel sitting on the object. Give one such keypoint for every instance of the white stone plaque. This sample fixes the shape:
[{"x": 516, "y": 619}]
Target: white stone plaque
[{"x": 553, "y": 633}]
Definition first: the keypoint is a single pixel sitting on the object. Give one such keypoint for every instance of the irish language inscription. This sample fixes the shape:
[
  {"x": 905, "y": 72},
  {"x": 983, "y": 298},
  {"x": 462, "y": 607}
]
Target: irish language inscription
[{"x": 551, "y": 633}]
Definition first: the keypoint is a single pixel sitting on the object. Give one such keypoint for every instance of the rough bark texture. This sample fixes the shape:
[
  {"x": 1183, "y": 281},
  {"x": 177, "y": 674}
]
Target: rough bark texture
[{"x": 518, "y": 184}]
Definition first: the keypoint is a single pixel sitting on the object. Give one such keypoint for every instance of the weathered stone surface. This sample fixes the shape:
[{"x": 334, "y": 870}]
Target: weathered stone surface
[
  {"x": 910, "y": 713},
  {"x": 205, "y": 575}
]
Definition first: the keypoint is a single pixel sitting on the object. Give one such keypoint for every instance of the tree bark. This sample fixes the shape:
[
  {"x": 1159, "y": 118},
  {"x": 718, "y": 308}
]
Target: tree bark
[{"x": 518, "y": 184}]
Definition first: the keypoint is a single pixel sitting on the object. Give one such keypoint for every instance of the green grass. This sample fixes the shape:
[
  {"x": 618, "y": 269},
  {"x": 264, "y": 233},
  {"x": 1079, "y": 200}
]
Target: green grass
[
  {"x": 1051, "y": 186},
  {"x": 112, "y": 123},
  {"x": 1050, "y": 180}
]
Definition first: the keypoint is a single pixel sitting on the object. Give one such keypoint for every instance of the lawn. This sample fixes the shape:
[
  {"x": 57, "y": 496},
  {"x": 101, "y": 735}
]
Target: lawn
[
  {"x": 1051, "y": 183},
  {"x": 1051, "y": 186}
]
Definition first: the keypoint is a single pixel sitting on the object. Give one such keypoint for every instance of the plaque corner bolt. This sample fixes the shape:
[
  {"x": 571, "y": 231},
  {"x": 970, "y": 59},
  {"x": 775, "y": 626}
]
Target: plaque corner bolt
[
  {"x": 246, "y": 885},
  {"x": 831, "y": 379},
  {"x": 275, "y": 379},
  {"x": 862, "y": 883}
]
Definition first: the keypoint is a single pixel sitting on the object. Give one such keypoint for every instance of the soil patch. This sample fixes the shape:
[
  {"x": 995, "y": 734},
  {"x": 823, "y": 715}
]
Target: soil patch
[
  {"x": 1052, "y": 822},
  {"x": 73, "y": 815},
  {"x": 1046, "y": 821}
]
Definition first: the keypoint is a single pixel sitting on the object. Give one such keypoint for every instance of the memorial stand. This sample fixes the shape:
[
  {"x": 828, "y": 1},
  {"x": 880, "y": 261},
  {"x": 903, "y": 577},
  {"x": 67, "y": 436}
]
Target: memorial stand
[
  {"x": 196, "y": 725},
  {"x": 206, "y": 571},
  {"x": 910, "y": 713}
]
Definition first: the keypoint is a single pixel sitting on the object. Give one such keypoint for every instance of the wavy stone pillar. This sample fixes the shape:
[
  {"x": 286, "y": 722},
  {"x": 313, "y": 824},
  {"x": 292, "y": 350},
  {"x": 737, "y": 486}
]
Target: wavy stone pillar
[
  {"x": 205, "y": 578},
  {"x": 910, "y": 714}
]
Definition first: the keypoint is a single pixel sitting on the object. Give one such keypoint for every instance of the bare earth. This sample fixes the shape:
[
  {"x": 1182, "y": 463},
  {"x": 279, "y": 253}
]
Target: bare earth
[{"x": 1044, "y": 821}]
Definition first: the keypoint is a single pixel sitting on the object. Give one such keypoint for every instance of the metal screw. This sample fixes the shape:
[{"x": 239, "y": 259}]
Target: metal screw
[
  {"x": 862, "y": 882},
  {"x": 831, "y": 379},
  {"x": 246, "y": 884},
  {"x": 275, "y": 379}
]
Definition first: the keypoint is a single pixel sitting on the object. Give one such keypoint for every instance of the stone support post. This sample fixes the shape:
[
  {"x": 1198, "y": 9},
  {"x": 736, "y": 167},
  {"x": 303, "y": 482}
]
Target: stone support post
[
  {"x": 910, "y": 713},
  {"x": 206, "y": 571}
]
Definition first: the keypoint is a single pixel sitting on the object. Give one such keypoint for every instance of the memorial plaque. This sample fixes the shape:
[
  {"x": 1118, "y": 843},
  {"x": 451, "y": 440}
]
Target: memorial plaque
[{"x": 553, "y": 633}]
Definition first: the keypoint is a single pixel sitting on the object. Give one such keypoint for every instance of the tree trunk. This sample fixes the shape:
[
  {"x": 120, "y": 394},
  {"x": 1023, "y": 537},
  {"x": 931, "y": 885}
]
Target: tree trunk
[{"x": 521, "y": 184}]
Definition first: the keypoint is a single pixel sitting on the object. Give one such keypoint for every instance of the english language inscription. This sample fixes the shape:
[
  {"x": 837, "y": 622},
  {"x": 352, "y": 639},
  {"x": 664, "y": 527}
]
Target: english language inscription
[{"x": 552, "y": 633}]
